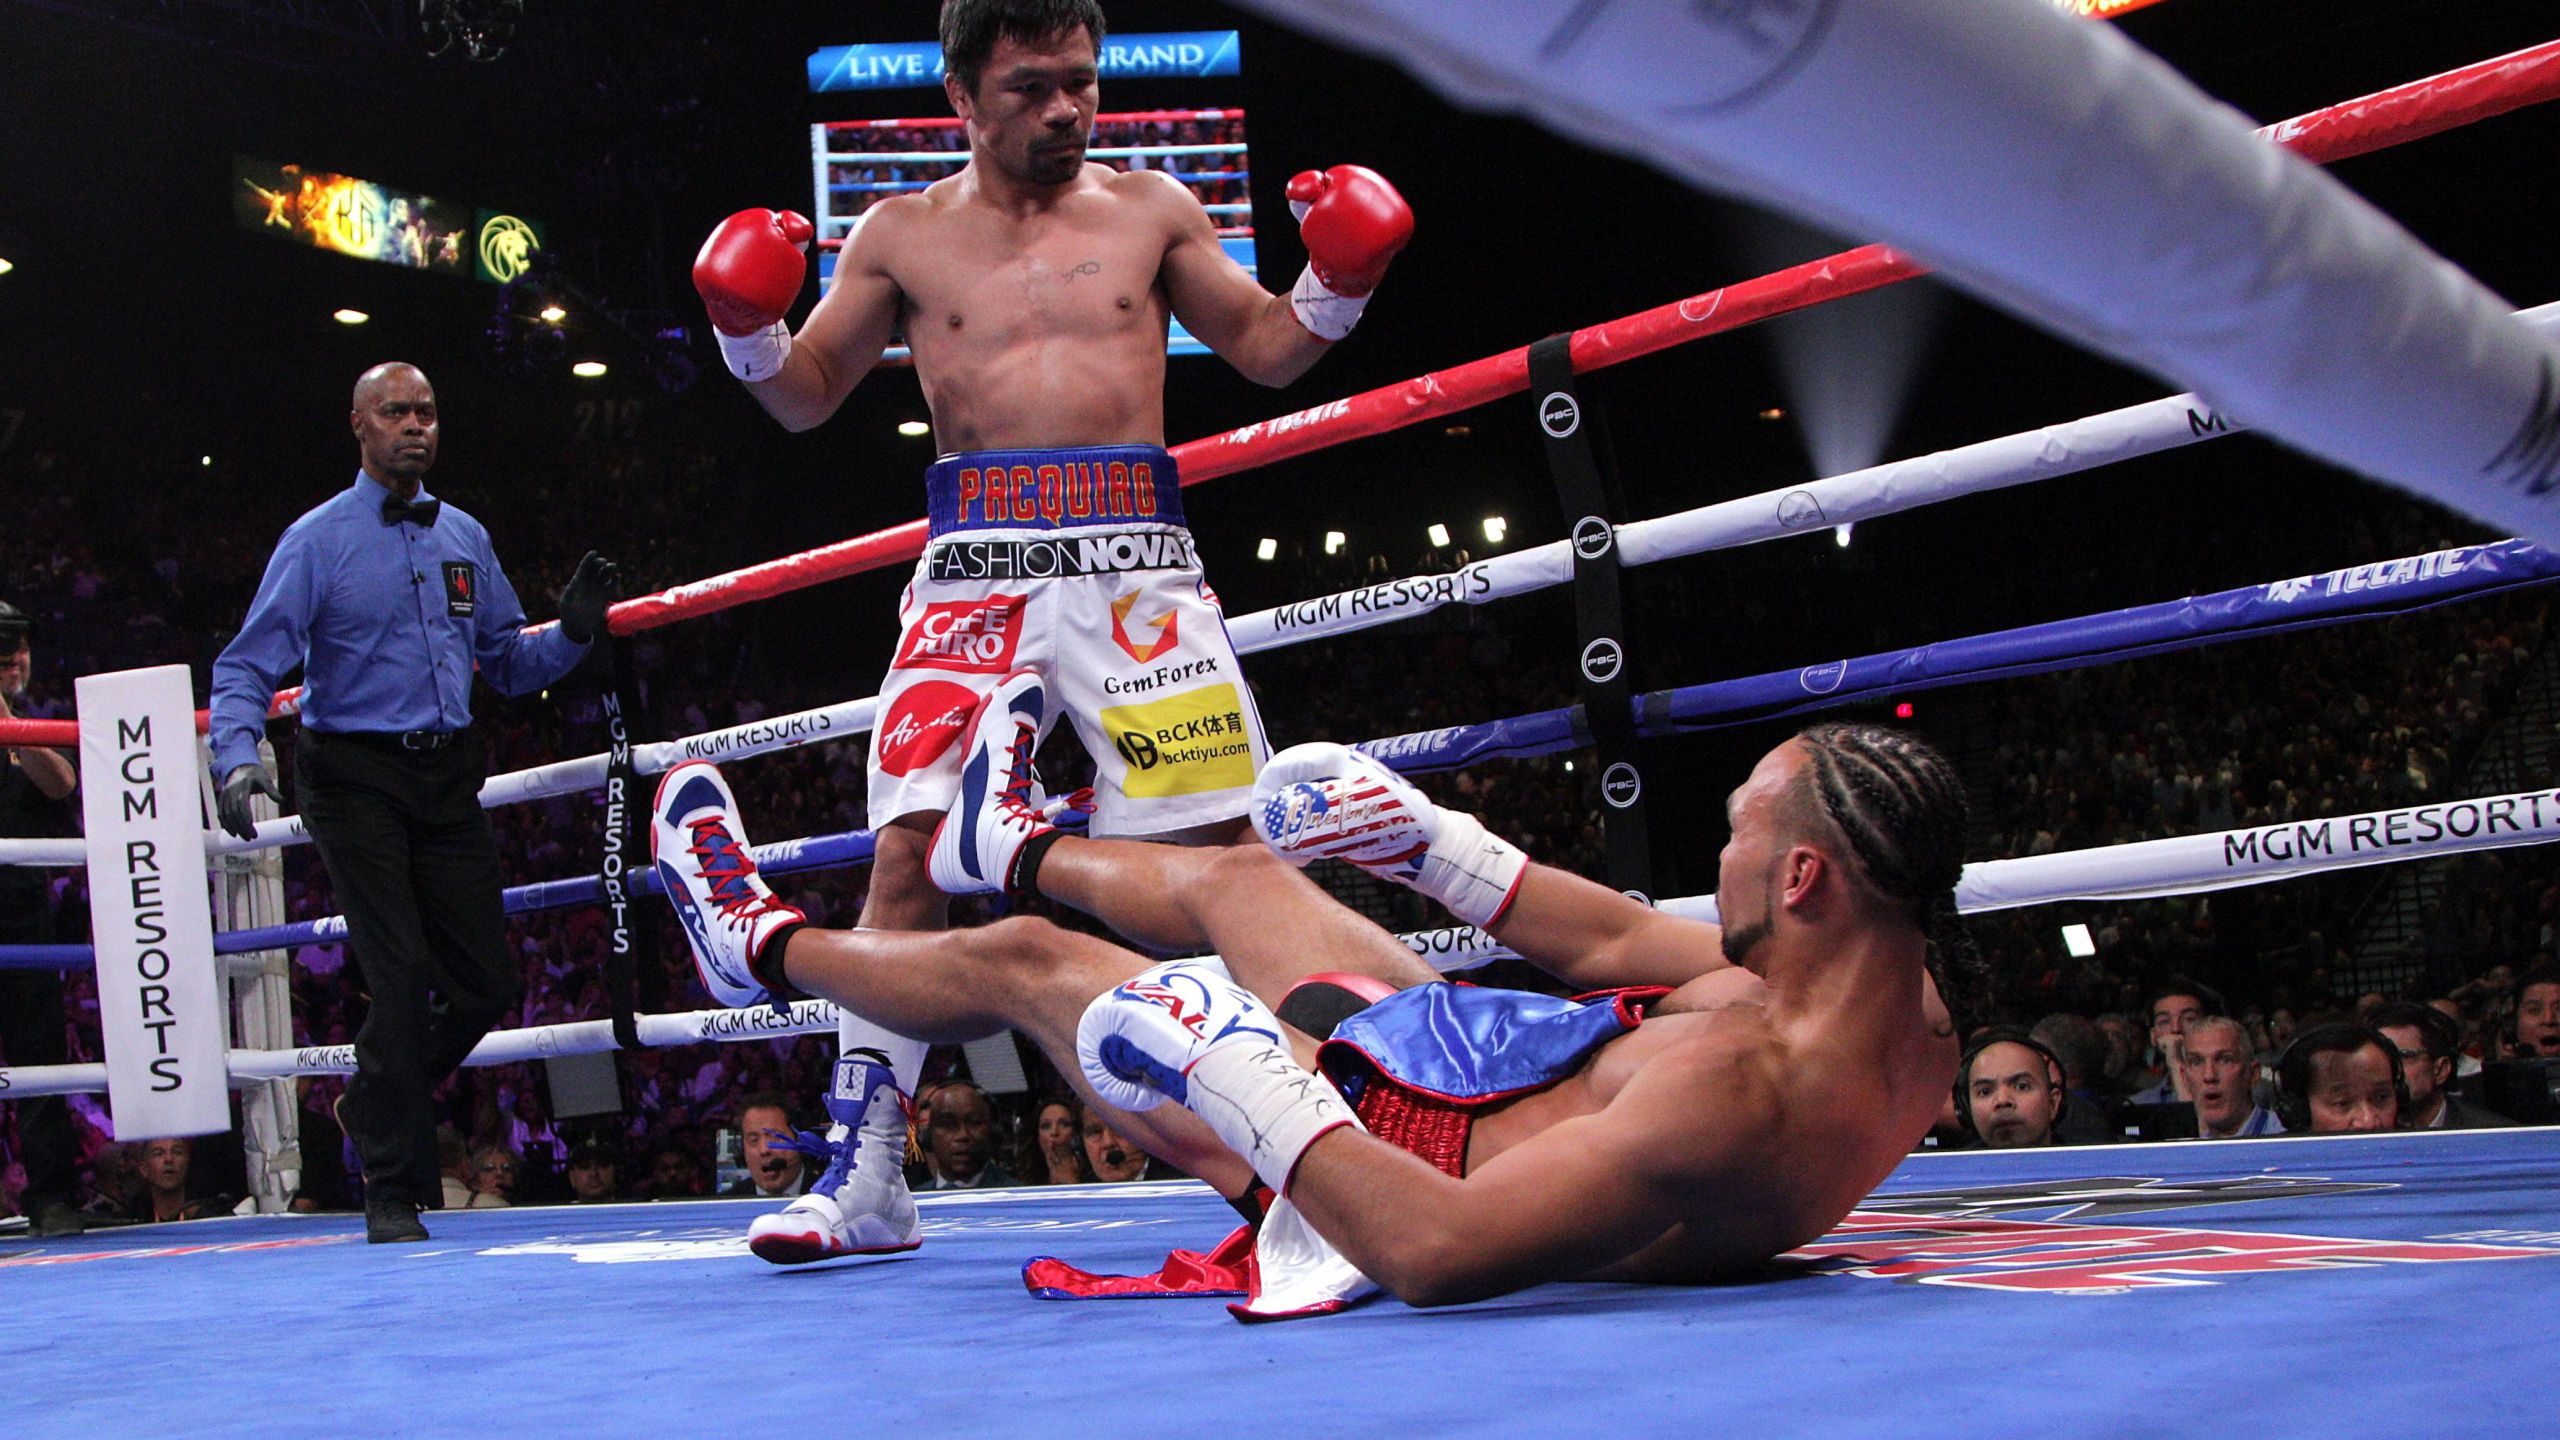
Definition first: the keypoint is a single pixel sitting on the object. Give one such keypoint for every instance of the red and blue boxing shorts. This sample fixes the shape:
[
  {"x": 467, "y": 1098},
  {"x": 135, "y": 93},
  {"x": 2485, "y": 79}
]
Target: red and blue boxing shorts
[
  {"x": 1074, "y": 564},
  {"x": 1418, "y": 1065}
]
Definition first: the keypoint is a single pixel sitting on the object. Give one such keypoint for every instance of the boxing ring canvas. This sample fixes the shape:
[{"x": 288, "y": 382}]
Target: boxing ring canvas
[{"x": 2396, "y": 1284}]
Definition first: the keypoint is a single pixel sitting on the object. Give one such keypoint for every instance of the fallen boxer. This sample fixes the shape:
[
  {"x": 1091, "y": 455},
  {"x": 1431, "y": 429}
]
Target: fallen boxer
[{"x": 1729, "y": 1095}]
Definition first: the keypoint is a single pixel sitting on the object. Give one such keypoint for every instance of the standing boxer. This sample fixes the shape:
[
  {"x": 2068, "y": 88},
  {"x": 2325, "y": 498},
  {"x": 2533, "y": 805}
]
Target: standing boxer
[{"x": 1034, "y": 290}]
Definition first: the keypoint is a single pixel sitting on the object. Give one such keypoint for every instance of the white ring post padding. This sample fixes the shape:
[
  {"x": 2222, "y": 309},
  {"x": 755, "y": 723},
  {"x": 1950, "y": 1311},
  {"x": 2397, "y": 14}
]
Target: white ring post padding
[
  {"x": 2141, "y": 870},
  {"x": 1811, "y": 508},
  {"x": 2053, "y": 167}
]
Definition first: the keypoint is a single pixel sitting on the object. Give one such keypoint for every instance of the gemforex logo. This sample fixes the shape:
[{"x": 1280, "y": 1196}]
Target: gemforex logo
[{"x": 1158, "y": 635}]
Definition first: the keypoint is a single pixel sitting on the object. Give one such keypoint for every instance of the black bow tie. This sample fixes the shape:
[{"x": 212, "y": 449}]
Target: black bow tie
[{"x": 395, "y": 510}]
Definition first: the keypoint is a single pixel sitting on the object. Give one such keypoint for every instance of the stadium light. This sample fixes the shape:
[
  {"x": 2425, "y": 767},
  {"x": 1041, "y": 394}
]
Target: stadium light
[
  {"x": 349, "y": 317},
  {"x": 1334, "y": 540},
  {"x": 1269, "y": 549},
  {"x": 1840, "y": 534},
  {"x": 6, "y": 266},
  {"x": 1439, "y": 536},
  {"x": 552, "y": 314},
  {"x": 2075, "y": 939},
  {"x": 588, "y": 370},
  {"x": 1495, "y": 527},
  {"x": 914, "y": 429}
]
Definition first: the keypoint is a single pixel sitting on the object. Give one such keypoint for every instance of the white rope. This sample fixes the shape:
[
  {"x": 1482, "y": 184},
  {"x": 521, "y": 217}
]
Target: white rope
[
  {"x": 2178, "y": 865},
  {"x": 1888, "y": 489},
  {"x": 2140, "y": 870},
  {"x": 561, "y": 777}
]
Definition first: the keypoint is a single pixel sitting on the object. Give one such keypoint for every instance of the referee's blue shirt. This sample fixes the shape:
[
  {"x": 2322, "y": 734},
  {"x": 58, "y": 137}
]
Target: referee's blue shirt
[{"x": 385, "y": 620}]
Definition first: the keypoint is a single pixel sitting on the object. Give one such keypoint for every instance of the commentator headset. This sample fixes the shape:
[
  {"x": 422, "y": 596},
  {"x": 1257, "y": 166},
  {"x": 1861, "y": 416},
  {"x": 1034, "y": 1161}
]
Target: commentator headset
[
  {"x": 2006, "y": 1035},
  {"x": 2293, "y": 1071}
]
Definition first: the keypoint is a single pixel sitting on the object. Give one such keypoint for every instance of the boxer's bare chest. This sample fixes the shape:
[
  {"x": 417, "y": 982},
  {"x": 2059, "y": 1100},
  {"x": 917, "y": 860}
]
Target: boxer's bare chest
[{"x": 979, "y": 284}]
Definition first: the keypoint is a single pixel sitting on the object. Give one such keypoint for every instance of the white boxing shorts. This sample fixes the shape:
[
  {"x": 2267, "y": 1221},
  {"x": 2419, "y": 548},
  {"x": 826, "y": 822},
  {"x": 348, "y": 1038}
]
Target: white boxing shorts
[{"x": 1074, "y": 564}]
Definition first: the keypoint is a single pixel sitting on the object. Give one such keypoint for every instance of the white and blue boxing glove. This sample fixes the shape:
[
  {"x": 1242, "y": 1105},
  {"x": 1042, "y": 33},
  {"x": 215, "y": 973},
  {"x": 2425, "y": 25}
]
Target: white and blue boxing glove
[
  {"x": 1185, "y": 1031},
  {"x": 1331, "y": 802}
]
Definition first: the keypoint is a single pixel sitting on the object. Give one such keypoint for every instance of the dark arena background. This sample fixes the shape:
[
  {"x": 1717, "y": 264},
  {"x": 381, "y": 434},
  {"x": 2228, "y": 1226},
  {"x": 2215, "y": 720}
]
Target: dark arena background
[{"x": 2242, "y": 733}]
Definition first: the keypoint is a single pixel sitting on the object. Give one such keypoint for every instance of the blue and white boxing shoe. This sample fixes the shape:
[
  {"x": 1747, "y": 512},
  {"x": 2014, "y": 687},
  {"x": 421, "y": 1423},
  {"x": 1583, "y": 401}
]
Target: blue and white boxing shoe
[
  {"x": 859, "y": 1204},
  {"x": 700, "y": 852},
  {"x": 998, "y": 809}
]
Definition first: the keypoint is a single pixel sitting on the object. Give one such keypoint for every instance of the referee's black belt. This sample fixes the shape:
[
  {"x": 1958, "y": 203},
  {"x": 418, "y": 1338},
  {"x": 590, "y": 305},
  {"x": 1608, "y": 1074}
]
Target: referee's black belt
[{"x": 413, "y": 741}]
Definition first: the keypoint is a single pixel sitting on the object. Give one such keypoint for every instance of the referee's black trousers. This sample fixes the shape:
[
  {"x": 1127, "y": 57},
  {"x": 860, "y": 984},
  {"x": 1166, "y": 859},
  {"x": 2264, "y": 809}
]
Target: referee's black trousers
[
  {"x": 414, "y": 864},
  {"x": 31, "y": 1034}
]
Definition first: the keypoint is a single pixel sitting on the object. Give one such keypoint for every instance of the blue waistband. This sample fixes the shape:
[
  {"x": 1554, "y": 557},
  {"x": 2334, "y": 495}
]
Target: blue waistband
[
  {"x": 1053, "y": 489},
  {"x": 1475, "y": 1046}
]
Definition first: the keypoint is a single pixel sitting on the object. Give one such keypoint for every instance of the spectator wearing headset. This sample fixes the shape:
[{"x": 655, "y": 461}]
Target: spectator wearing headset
[
  {"x": 2009, "y": 1090},
  {"x": 2340, "y": 1079}
]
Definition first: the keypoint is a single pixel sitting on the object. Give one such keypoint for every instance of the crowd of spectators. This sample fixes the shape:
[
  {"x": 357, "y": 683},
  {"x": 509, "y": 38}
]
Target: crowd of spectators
[{"x": 2327, "y": 722}]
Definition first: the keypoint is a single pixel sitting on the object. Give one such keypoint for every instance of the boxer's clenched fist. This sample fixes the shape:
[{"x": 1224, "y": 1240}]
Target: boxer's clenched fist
[
  {"x": 1354, "y": 222},
  {"x": 748, "y": 273}
]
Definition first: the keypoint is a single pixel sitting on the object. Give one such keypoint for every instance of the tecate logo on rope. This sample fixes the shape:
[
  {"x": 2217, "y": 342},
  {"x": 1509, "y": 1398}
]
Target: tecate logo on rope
[
  {"x": 1314, "y": 415},
  {"x": 2380, "y": 575}
]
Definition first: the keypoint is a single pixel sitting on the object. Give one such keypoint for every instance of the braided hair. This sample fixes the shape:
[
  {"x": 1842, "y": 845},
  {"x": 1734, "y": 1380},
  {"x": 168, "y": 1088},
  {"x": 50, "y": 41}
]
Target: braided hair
[{"x": 1902, "y": 808}]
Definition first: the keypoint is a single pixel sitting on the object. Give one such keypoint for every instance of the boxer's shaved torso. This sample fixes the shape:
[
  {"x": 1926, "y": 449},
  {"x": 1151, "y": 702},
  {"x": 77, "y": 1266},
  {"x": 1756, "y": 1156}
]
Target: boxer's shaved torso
[
  {"x": 1834, "y": 1110},
  {"x": 1044, "y": 327},
  {"x": 1832, "y": 1103}
]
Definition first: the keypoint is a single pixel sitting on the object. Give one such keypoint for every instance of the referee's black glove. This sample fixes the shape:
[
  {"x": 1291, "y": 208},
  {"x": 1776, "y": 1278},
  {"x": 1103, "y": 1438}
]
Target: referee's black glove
[
  {"x": 231, "y": 802},
  {"x": 589, "y": 594}
]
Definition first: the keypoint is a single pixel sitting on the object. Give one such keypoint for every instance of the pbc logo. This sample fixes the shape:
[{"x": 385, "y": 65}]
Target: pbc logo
[
  {"x": 1558, "y": 415},
  {"x": 925, "y": 722},
  {"x": 460, "y": 593},
  {"x": 1966, "y": 1238},
  {"x": 1166, "y": 631},
  {"x": 974, "y": 637}
]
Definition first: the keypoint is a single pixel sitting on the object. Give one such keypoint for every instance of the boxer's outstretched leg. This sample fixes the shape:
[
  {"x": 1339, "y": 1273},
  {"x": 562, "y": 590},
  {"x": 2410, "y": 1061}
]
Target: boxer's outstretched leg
[
  {"x": 1021, "y": 974},
  {"x": 1271, "y": 925}
]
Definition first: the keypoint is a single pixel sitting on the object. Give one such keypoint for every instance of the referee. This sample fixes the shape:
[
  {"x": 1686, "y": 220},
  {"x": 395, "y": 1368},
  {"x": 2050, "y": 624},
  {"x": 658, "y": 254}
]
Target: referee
[{"x": 386, "y": 596}]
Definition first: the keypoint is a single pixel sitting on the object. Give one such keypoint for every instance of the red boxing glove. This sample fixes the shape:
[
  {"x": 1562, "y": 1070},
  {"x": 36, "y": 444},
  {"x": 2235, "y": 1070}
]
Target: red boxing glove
[
  {"x": 1354, "y": 222},
  {"x": 751, "y": 269}
]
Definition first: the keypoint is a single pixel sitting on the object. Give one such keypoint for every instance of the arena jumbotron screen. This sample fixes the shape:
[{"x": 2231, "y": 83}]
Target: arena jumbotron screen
[{"x": 861, "y": 162}]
